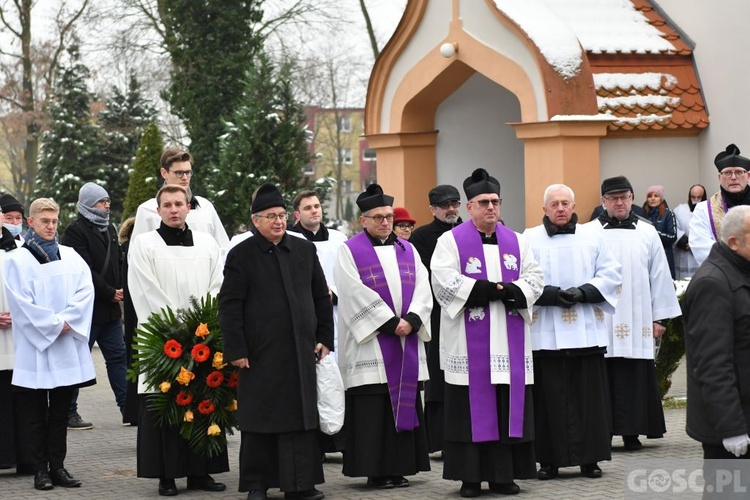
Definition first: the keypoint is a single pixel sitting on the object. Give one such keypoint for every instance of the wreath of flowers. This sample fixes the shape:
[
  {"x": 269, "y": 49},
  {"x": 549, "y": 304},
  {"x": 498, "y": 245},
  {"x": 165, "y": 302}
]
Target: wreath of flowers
[{"x": 180, "y": 355}]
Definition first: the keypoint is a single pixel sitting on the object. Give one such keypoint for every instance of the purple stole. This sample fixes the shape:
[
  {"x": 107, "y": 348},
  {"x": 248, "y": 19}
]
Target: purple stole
[
  {"x": 716, "y": 224},
  {"x": 401, "y": 363},
  {"x": 482, "y": 395}
]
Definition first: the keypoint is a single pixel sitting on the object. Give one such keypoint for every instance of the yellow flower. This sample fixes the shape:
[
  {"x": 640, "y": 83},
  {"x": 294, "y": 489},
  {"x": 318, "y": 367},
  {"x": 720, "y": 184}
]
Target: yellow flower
[
  {"x": 188, "y": 416},
  {"x": 202, "y": 330},
  {"x": 214, "y": 430},
  {"x": 185, "y": 376},
  {"x": 165, "y": 386},
  {"x": 218, "y": 362},
  {"x": 232, "y": 406}
]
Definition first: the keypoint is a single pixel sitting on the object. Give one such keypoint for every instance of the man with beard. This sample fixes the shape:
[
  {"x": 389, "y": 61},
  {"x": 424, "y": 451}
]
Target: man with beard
[
  {"x": 486, "y": 279},
  {"x": 572, "y": 416},
  {"x": 177, "y": 168},
  {"x": 647, "y": 298},
  {"x": 684, "y": 261},
  {"x": 705, "y": 226},
  {"x": 445, "y": 201}
]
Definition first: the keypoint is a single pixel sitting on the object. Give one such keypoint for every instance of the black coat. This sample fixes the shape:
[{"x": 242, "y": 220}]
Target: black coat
[
  {"x": 273, "y": 308},
  {"x": 717, "y": 344},
  {"x": 91, "y": 244}
]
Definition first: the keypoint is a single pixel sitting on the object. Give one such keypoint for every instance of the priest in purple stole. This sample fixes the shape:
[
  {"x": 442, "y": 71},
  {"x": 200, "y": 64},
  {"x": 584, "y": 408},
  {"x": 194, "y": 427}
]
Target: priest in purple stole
[
  {"x": 384, "y": 319},
  {"x": 486, "y": 279}
]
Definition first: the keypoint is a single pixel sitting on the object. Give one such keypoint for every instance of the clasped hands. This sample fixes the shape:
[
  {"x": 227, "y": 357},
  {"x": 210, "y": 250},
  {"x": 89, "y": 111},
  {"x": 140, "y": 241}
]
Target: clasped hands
[
  {"x": 736, "y": 445},
  {"x": 570, "y": 297}
]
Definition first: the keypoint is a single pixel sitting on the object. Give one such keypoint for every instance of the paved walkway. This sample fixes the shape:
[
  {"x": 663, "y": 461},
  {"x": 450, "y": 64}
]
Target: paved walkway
[{"x": 104, "y": 459}]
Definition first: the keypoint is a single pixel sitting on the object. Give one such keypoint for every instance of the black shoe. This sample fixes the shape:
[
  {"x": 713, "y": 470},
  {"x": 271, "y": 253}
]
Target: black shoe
[
  {"x": 632, "y": 443},
  {"x": 205, "y": 483},
  {"x": 76, "y": 423},
  {"x": 381, "y": 483},
  {"x": 546, "y": 471},
  {"x": 167, "y": 488},
  {"x": 42, "y": 481},
  {"x": 312, "y": 494},
  {"x": 470, "y": 490},
  {"x": 257, "y": 495},
  {"x": 61, "y": 477},
  {"x": 399, "y": 481},
  {"x": 505, "y": 488},
  {"x": 591, "y": 470}
]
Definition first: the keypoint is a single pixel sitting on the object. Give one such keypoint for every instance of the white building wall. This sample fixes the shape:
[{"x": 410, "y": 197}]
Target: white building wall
[{"x": 473, "y": 134}]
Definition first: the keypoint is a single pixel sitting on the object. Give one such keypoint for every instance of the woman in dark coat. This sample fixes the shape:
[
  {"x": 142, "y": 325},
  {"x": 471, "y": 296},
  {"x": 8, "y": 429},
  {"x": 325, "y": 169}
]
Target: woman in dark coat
[{"x": 663, "y": 220}]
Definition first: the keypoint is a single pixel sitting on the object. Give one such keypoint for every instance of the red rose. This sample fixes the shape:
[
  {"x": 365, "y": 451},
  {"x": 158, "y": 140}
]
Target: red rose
[
  {"x": 184, "y": 398},
  {"x": 173, "y": 349},
  {"x": 200, "y": 353},
  {"x": 206, "y": 407},
  {"x": 214, "y": 379},
  {"x": 233, "y": 380}
]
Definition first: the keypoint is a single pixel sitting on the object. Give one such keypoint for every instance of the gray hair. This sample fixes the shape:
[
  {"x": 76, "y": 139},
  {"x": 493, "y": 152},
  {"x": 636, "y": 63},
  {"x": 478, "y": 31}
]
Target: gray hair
[
  {"x": 734, "y": 224},
  {"x": 557, "y": 187}
]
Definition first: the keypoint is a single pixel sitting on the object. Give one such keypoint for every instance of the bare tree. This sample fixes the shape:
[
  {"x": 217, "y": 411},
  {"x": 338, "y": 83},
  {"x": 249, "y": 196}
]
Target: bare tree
[{"x": 28, "y": 67}]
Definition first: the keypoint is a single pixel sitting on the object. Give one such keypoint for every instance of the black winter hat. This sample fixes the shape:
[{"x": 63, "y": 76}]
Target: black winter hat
[
  {"x": 9, "y": 204},
  {"x": 616, "y": 185},
  {"x": 443, "y": 193},
  {"x": 373, "y": 197},
  {"x": 268, "y": 196},
  {"x": 480, "y": 182}
]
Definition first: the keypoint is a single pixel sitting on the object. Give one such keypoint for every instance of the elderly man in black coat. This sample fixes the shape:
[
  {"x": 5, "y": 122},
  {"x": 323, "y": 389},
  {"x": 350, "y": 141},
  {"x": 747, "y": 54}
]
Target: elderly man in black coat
[
  {"x": 717, "y": 344},
  {"x": 276, "y": 318}
]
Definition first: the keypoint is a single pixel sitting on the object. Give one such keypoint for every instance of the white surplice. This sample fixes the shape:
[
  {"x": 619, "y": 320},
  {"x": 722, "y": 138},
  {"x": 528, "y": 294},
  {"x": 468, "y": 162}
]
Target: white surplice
[
  {"x": 701, "y": 233},
  {"x": 572, "y": 260},
  {"x": 684, "y": 261},
  {"x": 6, "y": 334}
]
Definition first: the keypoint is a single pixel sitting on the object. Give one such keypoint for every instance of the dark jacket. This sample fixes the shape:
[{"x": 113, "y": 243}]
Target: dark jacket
[
  {"x": 273, "y": 308},
  {"x": 91, "y": 244},
  {"x": 717, "y": 344},
  {"x": 666, "y": 226}
]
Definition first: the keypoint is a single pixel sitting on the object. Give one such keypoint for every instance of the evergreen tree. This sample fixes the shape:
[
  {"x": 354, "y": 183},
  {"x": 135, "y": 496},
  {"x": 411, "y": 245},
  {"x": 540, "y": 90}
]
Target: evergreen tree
[
  {"x": 266, "y": 141},
  {"x": 69, "y": 155},
  {"x": 145, "y": 172},
  {"x": 211, "y": 44},
  {"x": 122, "y": 123}
]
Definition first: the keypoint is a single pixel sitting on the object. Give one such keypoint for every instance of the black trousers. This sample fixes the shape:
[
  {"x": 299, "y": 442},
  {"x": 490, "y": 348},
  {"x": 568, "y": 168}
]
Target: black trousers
[{"x": 43, "y": 427}]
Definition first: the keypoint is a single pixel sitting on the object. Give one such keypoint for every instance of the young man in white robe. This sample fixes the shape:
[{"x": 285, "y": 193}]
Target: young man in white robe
[
  {"x": 384, "y": 313},
  {"x": 646, "y": 299},
  {"x": 705, "y": 225},
  {"x": 166, "y": 267},
  {"x": 486, "y": 279},
  {"x": 572, "y": 415},
  {"x": 51, "y": 300},
  {"x": 177, "y": 169}
]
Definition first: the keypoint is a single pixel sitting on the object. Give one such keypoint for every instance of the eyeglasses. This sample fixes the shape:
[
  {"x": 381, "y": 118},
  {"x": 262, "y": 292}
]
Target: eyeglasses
[
  {"x": 615, "y": 199},
  {"x": 496, "y": 202},
  {"x": 49, "y": 222},
  {"x": 104, "y": 201},
  {"x": 405, "y": 226},
  {"x": 378, "y": 219},
  {"x": 733, "y": 173},
  {"x": 182, "y": 173},
  {"x": 449, "y": 204},
  {"x": 273, "y": 217}
]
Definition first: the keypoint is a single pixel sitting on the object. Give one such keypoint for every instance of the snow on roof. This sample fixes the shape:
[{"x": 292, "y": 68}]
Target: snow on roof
[
  {"x": 640, "y": 101},
  {"x": 557, "y": 43},
  {"x": 639, "y": 81}
]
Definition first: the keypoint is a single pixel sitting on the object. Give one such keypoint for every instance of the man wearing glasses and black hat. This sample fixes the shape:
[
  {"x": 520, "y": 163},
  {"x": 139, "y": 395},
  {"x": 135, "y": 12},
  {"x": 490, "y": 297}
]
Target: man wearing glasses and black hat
[
  {"x": 445, "y": 201},
  {"x": 708, "y": 215}
]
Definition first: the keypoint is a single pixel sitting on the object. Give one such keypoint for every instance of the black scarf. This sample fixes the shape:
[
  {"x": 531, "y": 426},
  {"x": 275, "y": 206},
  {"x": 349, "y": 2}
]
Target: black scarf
[
  {"x": 734, "y": 199},
  {"x": 7, "y": 241},
  {"x": 175, "y": 237},
  {"x": 552, "y": 229},
  {"x": 613, "y": 223}
]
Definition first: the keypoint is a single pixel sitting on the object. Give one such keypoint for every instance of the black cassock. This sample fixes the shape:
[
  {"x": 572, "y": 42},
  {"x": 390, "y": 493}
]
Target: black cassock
[{"x": 274, "y": 307}]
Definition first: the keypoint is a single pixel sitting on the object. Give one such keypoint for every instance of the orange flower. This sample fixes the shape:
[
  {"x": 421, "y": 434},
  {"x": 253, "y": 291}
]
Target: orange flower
[
  {"x": 214, "y": 430},
  {"x": 183, "y": 398},
  {"x": 165, "y": 386},
  {"x": 206, "y": 407},
  {"x": 214, "y": 379},
  {"x": 200, "y": 353},
  {"x": 188, "y": 416},
  {"x": 202, "y": 330},
  {"x": 233, "y": 406},
  {"x": 173, "y": 349},
  {"x": 185, "y": 376},
  {"x": 218, "y": 362},
  {"x": 233, "y": 380}
]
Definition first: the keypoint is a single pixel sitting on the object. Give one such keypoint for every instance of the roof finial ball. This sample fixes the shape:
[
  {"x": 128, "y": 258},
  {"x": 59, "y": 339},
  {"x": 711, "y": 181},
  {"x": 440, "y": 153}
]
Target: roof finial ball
[{"x": 448, "y": 50}]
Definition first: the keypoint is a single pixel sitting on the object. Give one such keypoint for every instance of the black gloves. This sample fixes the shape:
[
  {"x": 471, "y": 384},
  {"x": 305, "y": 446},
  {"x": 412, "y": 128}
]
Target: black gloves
[
  {"x": 555, "y": 296},
  {"x": 576, "y": 294}
]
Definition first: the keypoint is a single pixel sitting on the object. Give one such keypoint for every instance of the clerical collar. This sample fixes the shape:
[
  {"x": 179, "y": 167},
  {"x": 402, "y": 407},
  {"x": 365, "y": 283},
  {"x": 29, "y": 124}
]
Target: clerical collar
[
  {"x": 321, "y": 235},
  {"x": 552, "y": 229},
  {"x": 174, "y": 237},
  {"x": 488, "y": 240},
  {"x": 390, "y": 240},
  {"x": 267, "y": 245},
  {"x": 613, "y": 223},
  {"x": 734, "y": 199}
]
